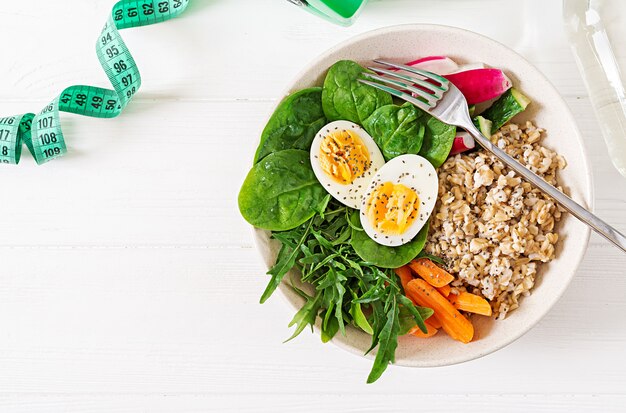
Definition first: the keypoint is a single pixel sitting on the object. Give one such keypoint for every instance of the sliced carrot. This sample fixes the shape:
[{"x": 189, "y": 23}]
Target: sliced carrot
[
  {"x": 434, "y": 321},
  {"x": 405, "y": 275},
  {"x": 445, "y": 290},
  {"x": 428, "y": 270},
  {"x": 452, "y": 322},
  {"x": 471, "y": 303},
  {"x": 418, "y": 333}
]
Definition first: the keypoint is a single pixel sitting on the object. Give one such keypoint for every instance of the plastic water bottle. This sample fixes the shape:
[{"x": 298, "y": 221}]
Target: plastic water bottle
[
  {"x": 593, "y": 28},
  {"x": 342, "y": 12}
]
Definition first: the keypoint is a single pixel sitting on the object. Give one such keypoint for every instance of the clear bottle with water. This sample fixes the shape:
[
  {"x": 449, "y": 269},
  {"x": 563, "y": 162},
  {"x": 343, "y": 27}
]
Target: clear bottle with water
[{"x": 595, "y": 28}]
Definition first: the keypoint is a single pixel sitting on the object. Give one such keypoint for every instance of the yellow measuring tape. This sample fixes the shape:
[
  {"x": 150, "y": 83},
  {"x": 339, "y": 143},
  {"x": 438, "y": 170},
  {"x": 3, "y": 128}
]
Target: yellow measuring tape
[{"x": 42, "y": 132}]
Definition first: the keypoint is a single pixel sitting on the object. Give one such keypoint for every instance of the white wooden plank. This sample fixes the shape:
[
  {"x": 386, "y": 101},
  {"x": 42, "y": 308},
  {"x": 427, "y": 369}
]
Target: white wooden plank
[
  {"x": 188, "y": 321},
  {"x": 169, "y": 174},
  {"x": 128, "y": 281},
  {"x": 196, "y": 56},
  {"x": 347, "y": 403}
]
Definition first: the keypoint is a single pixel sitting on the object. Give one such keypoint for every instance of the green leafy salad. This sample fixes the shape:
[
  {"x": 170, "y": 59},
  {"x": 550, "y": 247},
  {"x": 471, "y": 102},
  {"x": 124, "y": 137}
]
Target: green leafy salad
[{"x": 344, "y": 179}]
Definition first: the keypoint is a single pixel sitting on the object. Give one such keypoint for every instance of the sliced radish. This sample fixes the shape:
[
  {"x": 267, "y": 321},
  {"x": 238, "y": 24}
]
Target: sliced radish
[
  {"x": 463, "y": 142},
  {"x": 469, "y": 66},
  {"x": 440, "y": 65},
  {"x": 476, "y": 82},
  {"x": 480, "y": 85}
]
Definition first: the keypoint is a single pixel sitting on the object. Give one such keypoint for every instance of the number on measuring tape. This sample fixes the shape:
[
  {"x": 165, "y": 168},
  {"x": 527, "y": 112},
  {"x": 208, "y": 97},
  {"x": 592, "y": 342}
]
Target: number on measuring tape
[{"x": 42, "y": 133}]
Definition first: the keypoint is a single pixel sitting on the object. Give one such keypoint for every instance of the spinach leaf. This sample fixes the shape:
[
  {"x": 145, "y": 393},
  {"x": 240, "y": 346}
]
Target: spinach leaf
[
  {"x": 438, "y": 139},
  {"x": 294, "y": 123},
  {"x": 345, "y": 98},
  {"x": 382, "y": 255},
  {"x": 396, "y": 130},
  {"x": 281, "y": 191}
]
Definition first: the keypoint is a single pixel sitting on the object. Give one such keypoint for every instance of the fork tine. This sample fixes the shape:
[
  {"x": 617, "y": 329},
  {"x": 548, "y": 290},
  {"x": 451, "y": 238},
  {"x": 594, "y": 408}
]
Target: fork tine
[
  {"x": 397, "y": 93},
  {"x": 430, "y": 100},
  {"x": 429, "y": 75},
  {"x": 435, "y": 90}
]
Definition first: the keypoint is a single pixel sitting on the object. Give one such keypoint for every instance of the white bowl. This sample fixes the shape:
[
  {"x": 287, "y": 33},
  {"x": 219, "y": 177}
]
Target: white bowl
[{"x": 548, "y": 110}]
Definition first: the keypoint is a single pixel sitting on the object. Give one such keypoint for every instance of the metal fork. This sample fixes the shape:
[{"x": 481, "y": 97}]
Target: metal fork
[{"x": 441, "y": 99}]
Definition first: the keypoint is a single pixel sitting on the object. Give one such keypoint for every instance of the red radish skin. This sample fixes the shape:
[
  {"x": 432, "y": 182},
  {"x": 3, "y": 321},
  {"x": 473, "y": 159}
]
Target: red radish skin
[
  {"x": 480, "y": 85},
  {"x": 463, "y": 142},
  {"x": 426, "y": 59}
]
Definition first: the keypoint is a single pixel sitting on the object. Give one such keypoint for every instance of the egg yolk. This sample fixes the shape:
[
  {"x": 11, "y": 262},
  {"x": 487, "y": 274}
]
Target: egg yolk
[
  {"x": 344, "y": 156},
  {"x": 392, "y": 208}
]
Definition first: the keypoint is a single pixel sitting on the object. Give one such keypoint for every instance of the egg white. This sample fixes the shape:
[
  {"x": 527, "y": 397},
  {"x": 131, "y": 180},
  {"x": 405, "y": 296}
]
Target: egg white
[
  {"x": 414, "y": 172},
  {"x": 349, "y": 194}
]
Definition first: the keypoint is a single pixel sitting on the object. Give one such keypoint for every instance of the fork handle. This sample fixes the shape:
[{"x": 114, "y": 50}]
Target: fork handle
[{"x": 566, "y": 202}]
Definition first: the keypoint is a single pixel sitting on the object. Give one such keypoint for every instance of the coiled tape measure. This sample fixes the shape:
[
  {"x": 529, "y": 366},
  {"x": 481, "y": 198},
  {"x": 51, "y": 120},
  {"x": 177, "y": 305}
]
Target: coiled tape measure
[{"x": 42, "y": 132}]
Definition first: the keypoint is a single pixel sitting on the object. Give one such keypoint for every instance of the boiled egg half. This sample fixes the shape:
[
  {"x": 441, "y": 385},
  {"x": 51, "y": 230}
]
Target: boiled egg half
[
  {"x": 344, "y": 158},
  {"x": 399, "y": 200}
]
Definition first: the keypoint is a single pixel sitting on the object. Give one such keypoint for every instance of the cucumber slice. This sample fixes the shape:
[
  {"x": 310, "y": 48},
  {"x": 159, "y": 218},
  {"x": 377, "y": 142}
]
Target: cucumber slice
[
  {"x": 511, "y": 103},
  {"x": 484, "y": 125},
  {"x": 472, "y": 109}
]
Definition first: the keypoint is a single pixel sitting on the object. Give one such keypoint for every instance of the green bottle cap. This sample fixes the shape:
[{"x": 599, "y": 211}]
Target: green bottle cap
[{"x": 342, "y": 12}]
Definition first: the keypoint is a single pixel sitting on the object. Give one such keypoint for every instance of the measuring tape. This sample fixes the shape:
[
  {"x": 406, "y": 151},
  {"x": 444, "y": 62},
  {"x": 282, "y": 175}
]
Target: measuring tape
[{"x": 42, "y": 132}]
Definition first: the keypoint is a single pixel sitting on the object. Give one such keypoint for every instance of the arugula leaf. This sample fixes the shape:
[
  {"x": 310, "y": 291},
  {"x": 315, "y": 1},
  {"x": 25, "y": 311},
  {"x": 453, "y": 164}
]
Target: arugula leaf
[
  {"x": 359, "y": 318},
  {"x": 333, "y": 291},
  {"x": 298, "y": 291},
  {"x": 406, "y": 320},
  {"x": 329, "y": 327},
  {"x": 348, "y": 289},
  {"x": 305, "y": 316},
  {"x": 286, "y": 260},
  {"x": 419, "y": 313},
  {"x": 322, "y": 206},
  {"x": 433, "y": 258},
  {"x": 387, "y": 344}
]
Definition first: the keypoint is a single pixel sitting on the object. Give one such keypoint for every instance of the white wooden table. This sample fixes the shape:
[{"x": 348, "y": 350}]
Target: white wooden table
[{"x": 128, "y": 281}]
